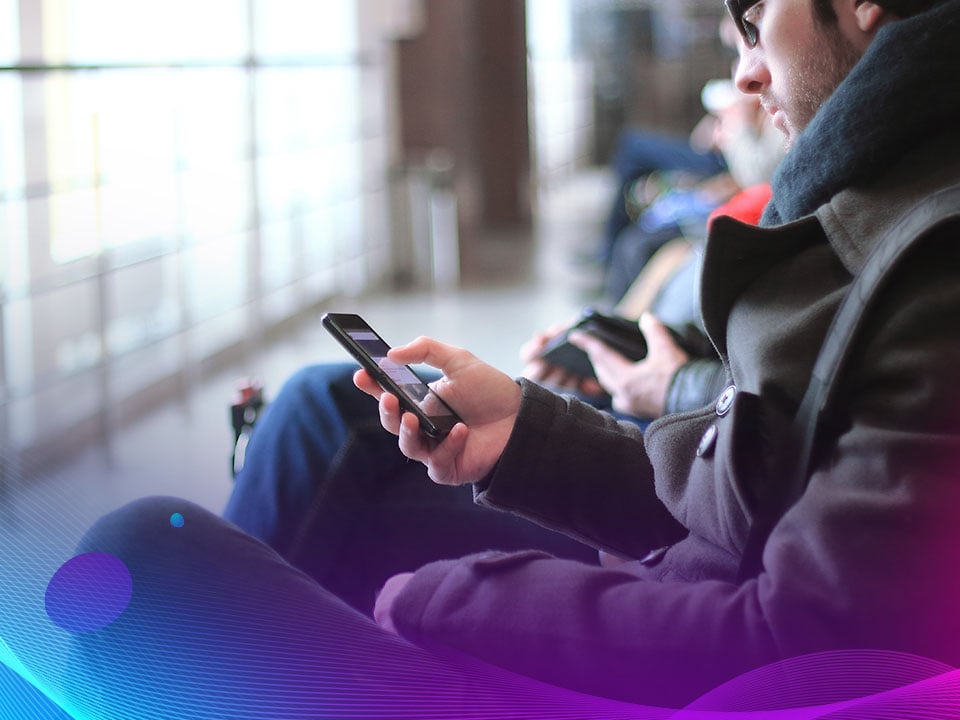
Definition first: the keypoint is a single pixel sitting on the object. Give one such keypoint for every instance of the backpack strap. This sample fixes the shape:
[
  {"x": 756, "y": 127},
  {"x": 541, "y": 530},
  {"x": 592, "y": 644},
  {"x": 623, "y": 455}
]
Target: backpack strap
[{"x": 796, "y": 452}]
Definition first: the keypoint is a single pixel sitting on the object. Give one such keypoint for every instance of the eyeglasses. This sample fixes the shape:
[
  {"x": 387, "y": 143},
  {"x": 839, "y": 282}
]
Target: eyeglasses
[{"x": 737, "y": 10}]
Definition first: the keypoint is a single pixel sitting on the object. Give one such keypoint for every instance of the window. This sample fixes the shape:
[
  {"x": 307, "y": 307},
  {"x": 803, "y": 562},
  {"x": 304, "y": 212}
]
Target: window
[{"x": 174, "y": 177}]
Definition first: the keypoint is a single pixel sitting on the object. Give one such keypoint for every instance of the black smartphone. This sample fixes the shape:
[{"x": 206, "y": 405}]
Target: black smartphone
[
  {"x": 370, "y": 350},
  {"x": 621, "y": 334}
]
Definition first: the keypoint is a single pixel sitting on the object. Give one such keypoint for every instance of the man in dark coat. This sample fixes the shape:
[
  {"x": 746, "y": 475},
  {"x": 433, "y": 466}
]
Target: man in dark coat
[{"x": 866, "y": 95}]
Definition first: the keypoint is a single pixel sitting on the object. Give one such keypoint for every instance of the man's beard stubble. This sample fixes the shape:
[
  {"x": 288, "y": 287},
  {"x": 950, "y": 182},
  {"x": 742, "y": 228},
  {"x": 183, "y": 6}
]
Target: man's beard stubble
[{"x": 830, "y": 62}]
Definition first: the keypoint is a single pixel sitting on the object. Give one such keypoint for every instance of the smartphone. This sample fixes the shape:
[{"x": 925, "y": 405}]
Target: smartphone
[
  {"x": 621, "y": 334},
  {"x": 370, "y": 350}
]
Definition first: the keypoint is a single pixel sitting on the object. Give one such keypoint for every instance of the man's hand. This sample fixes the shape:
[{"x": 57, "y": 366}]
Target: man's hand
[
  {"x": 385, "y": 598},
  {"x": 541, "y": 371},
  {"x": 637, "y": 388},
  {"x": 486, "y": 399}
]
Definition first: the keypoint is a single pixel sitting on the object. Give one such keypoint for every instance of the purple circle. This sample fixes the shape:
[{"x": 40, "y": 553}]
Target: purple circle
[{"x": 88, "y": 592}]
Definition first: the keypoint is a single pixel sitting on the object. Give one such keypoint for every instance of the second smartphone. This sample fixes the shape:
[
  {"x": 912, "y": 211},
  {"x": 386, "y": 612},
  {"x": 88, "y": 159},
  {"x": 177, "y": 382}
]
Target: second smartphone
[{"x": 370, "y": 350}]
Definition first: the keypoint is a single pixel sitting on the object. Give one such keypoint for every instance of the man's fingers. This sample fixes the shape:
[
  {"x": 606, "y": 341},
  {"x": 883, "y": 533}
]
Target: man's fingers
[
  {"x": 598, "y": 350},
  {"x": 430, "y": 352},
  {"x": 656, "y": 334},
  {"x": 412, "y": 442},
  {"x": 611, "y": 367},
  {"x": 441, "y": 457},
  {"x": 530, "y": 350},
  {"x": 362, "y": 379},
  {"x": 535, "y": 370},
  {"x": 557, "y": 377},
  {"x": 590, "y": 386},
  {"x": 390, "y": 415},
  {"x": 442, "y": 467}
]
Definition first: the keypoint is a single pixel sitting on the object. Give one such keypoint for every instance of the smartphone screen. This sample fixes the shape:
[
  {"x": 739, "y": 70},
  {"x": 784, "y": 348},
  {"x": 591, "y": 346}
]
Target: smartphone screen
[{"x": 370, "y": 350}]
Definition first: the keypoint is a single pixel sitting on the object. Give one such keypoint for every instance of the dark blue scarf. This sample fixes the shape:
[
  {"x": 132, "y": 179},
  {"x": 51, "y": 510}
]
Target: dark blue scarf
[{"x": 904, "y": 91}]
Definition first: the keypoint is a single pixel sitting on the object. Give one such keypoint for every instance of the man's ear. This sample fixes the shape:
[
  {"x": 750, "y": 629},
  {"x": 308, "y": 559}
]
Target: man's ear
[{"x": 870, "y": 16}]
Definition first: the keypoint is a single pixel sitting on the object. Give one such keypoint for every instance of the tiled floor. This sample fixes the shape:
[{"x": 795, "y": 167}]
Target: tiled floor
[{"x": 182, "y": 449}]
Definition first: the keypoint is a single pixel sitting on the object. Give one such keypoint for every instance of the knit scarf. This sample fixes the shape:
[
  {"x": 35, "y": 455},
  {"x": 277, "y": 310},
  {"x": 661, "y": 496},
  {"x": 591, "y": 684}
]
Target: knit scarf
[{"x": 904, "y": 91}]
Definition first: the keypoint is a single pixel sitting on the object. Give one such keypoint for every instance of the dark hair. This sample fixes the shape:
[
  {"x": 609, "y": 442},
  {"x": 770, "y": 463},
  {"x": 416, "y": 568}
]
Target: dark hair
[
  {"x": 825, "y": 12},
  {"x": 906, "y": 8},
  {"x": 903, "y": 8}
]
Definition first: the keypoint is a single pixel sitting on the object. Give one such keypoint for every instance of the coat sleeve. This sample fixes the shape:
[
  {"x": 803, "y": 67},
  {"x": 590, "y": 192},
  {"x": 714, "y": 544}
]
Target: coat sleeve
[
  {"x": 865, "y": 559},
  {"x": 696, "y": 383},
  {"x": 574, "y": 469}
]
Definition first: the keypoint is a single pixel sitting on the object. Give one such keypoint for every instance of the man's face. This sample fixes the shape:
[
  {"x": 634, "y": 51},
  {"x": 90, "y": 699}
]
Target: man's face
[{"x": 796, "y": 64}]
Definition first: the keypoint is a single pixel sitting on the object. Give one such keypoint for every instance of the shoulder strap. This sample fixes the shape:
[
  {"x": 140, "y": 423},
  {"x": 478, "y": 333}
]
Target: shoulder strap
[{"x": 796, "y": 451}]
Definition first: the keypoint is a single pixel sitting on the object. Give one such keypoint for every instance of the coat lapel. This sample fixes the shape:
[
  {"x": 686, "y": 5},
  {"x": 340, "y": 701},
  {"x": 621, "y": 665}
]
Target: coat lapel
[{"x": 737, "y": 254}]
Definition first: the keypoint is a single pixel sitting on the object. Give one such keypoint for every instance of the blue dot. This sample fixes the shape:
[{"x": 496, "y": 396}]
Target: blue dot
[
  {"x": 88, "y": 592},
  {"x": 176, "y": 520}
]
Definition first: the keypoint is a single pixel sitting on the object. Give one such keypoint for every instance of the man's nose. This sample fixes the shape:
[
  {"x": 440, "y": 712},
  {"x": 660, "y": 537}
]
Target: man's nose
[{"x": 751, "y": 76}]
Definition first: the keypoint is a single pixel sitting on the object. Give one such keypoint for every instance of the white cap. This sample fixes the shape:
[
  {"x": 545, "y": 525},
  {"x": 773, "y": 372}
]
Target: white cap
[{"x": 718, "y": 95}]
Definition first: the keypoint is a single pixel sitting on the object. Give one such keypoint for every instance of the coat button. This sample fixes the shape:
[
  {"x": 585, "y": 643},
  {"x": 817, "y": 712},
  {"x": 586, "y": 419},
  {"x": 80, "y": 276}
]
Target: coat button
[
  {"x": 725, "y": 401},
  {"x": 707, "y": 442}
]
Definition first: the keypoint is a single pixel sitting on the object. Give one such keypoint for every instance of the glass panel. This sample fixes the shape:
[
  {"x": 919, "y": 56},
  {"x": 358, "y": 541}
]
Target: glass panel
[
  {"x": 74, "y": 224},
  {"x": 277, "y": 264},
  {"x": 111, "y": 31},
  {"x": 13, "y": 248},
  {"x": 139, "y": 208},
  {"x": 299, "y": 108},
  {"x": 216, "y": 276},
  {"x": 53, "y": 409},
  {"x": 11, "y": 134},
  {"x": 134, "y": 115},
  {"x": 64, "y": 330},
  {"x": 70, "y": 120},
  {"x": 145, "y": 177},
  {"x": 143, "y": 304},
  {"x": 216, "y": 200},
  {"x": 290, "y": 28},
  {"x": 346, "y": 170},
  {"x": 18, "y": 350},
  {"x": 281, "y": 185},
  {"x": 211, "y": 110},
  {"x": 9, "y": 35},
  {"x": 318, "y": 243}
]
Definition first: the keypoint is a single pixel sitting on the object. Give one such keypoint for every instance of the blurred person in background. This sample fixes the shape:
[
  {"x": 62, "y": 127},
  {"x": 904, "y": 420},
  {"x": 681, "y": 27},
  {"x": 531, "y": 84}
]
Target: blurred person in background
[{"x": 740, "y": 130}]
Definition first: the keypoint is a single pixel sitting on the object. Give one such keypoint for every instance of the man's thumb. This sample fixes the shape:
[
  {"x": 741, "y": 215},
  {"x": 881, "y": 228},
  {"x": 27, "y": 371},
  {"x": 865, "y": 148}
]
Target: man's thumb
[{"x": 655, "y": 332}]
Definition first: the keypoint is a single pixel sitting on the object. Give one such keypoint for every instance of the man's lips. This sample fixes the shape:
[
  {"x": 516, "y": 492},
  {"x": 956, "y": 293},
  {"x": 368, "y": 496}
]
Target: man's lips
[{"x": 776, "y": 116}]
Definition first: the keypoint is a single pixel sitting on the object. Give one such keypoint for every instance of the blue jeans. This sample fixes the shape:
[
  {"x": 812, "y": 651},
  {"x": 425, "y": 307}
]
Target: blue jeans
[
  {"x": 326, "y": 486},
  {"x": 220, "y": 626}
]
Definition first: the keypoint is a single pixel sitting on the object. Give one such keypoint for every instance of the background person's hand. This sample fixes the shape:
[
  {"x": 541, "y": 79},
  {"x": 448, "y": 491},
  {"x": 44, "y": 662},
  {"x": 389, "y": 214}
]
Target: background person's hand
[
  {"x": 545, "y": 373},
  {"x": 636, "y": 388},
  {"x": 486, "y": 399}
]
